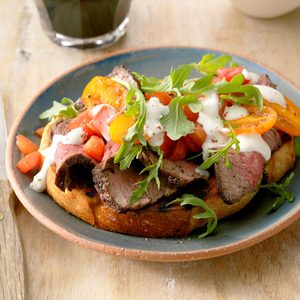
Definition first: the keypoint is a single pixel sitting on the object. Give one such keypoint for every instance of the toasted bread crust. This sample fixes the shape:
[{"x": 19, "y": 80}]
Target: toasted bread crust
[{"x": 155, "y": 221}]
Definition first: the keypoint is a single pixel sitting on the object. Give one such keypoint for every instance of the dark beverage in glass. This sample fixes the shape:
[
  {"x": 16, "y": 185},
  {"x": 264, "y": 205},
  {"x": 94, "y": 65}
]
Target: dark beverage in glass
[{"x": 84, "y": 23}]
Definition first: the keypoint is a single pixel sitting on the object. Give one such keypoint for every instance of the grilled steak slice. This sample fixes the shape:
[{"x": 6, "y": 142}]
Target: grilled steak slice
[
  {"x": 178, "y": 173},
  {"x": 115, "y": 187},
  {"x": 110, "y": 152},
  {"x": 272, "y": 138},
  {"x": 242, "y": 178},
  {"x": 73, "y": 168},
  {"x": 122, "y": 73},
  {"x": 61, "y": 126},
  {"x": 264, "y": 79},
  {"x": 79, "y": 105}
]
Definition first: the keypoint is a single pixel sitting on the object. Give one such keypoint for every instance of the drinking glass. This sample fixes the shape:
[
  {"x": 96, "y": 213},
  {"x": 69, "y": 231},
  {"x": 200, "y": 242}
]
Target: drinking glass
[{"x": 84, "y": 23}]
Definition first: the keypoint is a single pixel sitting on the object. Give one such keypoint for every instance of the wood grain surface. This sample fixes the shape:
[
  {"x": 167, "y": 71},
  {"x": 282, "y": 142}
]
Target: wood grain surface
[
  {"x": 11, "y": 255},
  {"x": 57, "y": 269}
]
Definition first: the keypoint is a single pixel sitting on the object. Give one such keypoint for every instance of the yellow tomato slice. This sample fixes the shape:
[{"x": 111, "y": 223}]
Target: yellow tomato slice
[
  {"x": 119, "y": 127},
  {"x": 104, "y": 90},
  {"x": 256, "y": 122},
  {"x": 292, "y": 107},
  {"x": 288, "y": 120}
]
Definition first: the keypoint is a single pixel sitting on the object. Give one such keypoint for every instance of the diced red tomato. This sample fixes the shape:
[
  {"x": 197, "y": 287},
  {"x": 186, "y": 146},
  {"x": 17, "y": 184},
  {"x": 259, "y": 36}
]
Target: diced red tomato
[
  {"x": 196, "y": 139},
  {"x": 189, "y": 114},
  {"x": 228, "y": 74},
  {"x": 94, "y": 147},
  {"x": 25, "y": 145},
  {"x": 30, "y": 162},
  {"x": 39, "y": 132},
  {"x": 164, "y": 97},
  {"x": 83, "y": 120},
  {"x": 167, "y": 146},
  {"x": 180, "y": 151}
]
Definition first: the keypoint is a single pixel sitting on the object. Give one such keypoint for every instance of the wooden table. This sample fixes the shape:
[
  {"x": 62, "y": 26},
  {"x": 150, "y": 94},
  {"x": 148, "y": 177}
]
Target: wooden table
[{"x": 57, "y": 269}]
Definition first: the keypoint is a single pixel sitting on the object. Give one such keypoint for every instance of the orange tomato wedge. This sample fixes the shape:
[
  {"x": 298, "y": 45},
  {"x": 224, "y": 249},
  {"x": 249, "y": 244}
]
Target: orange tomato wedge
[
  {"x": 119, "y": 127},
  {"x": 25, "y": 145},
  {"x": 39, "y": 132},
  {"x": 256, "y": 122},
  {"x": 30, "y": 161},
  {"x": 104, "y": 90},
  {"x": 288, "y": 119},
  {"x": 292, "y": 107}
]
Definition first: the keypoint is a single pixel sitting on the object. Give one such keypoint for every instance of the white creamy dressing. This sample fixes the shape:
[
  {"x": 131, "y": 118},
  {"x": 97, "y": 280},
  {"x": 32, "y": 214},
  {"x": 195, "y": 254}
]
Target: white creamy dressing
[
  {"x": 251, "y": 76},
  {"x": 74, "y": 137},
  {"x": 271, "y": 95},
  {"x": 153, "y": 128},
  {"x": 254, "y": 142},
  {"x": 103, "y": 114},
  {"x": 203, "y": 173},
  {"x": 212, "y": 124},
  {"x": 217, "y": 134},
  {"x": 235, "y": 112}
]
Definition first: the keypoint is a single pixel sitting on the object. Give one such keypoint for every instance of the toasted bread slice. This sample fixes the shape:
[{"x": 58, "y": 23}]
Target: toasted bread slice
[{"x": 156, "y": 220}]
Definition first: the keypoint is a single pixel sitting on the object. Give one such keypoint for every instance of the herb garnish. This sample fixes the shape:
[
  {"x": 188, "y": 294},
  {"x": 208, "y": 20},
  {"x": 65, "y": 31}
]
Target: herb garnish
[
  {"x": 65, "y": 109},
  {"x": 175, "y": 123},
  {"x": 279, "y": 189},
  {"x": 152, "y": 174},
  {"x": 209, "y": 214},
  {"x": 222, "y": 152}
]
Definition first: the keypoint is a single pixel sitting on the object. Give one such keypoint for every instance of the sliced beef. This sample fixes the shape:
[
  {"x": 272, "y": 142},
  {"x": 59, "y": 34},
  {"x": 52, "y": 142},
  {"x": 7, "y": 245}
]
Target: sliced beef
[
  {"x": 110, "y": 152},
  {"x": 115, "y": 187},
  {"x": 264, "y": 79},
  {"x": 73, "y": 167},
  {"x": 272, "y": 138},
  {"x": 79, "y": 105},
  {"x": 122, "y": 73},
  {"x": 241, "y": 178},
  {"x": 178, "y": 173},
  {"x": 61, "y": 126}
]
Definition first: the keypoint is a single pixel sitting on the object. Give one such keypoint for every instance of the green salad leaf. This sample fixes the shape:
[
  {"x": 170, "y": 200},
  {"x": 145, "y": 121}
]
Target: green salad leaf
[
  {"x": 279, "y": 189},
  {"x": 126, "y": 154},
  {"x": 208, "y": 213},
  {"x": 238, "y": 93},
  {"x": 209, "y": 64},
  {"x": 65, "y": 109},
  {"x": 222, "y": 152},
  {"x": 152, "y": 174},
  {"x": 175, "y": 123}
]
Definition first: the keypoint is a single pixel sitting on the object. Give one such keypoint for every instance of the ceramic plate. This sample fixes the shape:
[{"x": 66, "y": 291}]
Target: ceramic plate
[{"x": 242, "y": 230}]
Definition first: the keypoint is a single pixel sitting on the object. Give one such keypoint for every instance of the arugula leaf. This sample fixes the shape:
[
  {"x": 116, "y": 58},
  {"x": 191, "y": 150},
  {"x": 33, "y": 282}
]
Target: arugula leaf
[
  {"x": 251, "y": 94},
  {"x": 126, "y": 154},
  {"x": 297, "y": 145},
  {"x": 65, "y": 108},
  {"x": 179, "y": 75},
  {"x": 172, "y": 82},
  {"x": 153, "y": 174},
  {"x": 137, "y": 108},
  {"x": 222, "y": 152},
  {"x": 209, "y": 64},
  {"x": 152, "y": 84},
  {"x": 279, "y": 189},
  {"x": 175, "y": 123},
  {"x": 188, "y": 199},
  {"x": 197, "y": 87}
]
